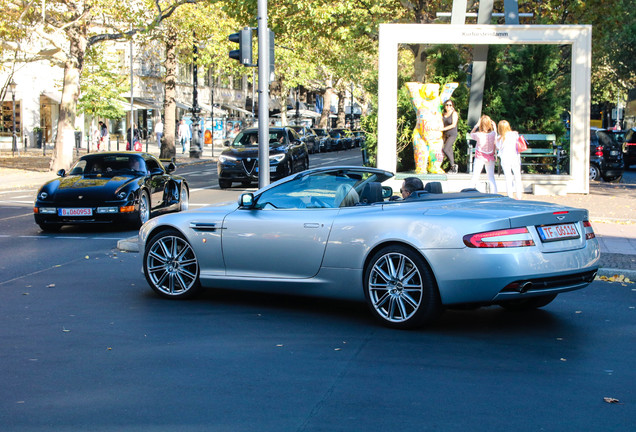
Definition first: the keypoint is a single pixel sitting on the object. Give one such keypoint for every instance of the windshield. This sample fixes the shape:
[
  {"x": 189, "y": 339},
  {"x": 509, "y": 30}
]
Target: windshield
[
  {"x": 109, "y": 165},
  {"x": 250, "y": 138}
]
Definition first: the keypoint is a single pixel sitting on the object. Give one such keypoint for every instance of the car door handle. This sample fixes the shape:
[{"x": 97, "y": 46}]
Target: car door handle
[
  {"x": 312, "y": 225},
  {"x": 204, "y": 226}
]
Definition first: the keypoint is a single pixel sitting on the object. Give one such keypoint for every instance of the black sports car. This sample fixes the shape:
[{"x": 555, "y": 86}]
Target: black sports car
[
  {"x": 239, "y": 162},
  {"x": 111, "y": 187}
]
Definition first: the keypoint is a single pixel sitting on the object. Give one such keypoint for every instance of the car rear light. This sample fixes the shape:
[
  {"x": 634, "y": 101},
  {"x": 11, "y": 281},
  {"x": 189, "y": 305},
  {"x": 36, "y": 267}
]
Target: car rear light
[
  {"x": 127, "y": 209},
  {"x": 589, "y": 231},
  {"x": 514, "y": 237},
  {"x": 599, "y": 151}
]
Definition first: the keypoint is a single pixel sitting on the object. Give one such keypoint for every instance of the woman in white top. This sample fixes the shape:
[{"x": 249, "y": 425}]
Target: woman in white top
[
  {"x": 484, "y": 134},
  {"x": 510, "y": 160}
]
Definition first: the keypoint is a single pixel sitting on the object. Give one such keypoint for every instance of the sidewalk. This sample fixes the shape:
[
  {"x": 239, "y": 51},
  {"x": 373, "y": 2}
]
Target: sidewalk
[{"x": 612, "y": 207}]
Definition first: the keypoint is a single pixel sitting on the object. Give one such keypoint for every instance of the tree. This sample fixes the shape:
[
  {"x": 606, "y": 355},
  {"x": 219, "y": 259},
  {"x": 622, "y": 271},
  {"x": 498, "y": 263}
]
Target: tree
[{"x": 71, "y": 28}]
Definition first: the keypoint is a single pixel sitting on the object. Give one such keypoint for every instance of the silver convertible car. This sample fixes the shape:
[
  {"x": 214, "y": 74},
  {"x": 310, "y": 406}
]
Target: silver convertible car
[{"x": 335, "y": 232}]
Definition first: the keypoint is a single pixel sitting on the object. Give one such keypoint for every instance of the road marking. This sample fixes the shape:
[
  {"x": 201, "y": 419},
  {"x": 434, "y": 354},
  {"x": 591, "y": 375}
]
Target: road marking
[{"x": 16, "y": 216}]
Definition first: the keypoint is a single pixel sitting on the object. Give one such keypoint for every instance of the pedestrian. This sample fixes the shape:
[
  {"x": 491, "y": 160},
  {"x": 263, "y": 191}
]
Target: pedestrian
[
  {"x": 135, "y": 145},
  {"x": 103, "y": 136},
  {"x": 450, "y": 118},
  {"x": 159, "y": 131},
  {"x": 184, "y": 134},
  {"x": 510, "y": 160},
  {"x": 484, "y": 134}
]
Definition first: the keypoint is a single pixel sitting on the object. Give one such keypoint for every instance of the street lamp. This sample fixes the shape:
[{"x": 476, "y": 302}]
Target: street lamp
[
  {"x": 14, "y": 144},
  {"x": 195, "y": 144}
]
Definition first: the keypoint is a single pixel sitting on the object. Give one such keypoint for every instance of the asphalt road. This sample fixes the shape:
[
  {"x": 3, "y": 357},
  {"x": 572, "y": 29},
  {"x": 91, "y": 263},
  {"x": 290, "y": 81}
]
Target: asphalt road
[{"x": 87, "y": 346}]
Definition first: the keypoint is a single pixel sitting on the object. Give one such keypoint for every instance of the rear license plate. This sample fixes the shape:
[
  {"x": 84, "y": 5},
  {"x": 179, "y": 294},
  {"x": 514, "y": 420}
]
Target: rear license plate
[
  {"x": 75, "y": 212},
  {"x": 558, "y": 232}
]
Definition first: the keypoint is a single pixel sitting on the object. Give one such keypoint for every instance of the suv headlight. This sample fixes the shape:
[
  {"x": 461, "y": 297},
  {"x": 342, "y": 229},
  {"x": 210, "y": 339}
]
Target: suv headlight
[
  {"x": 277, "y": 158},
  {"x": 225, "y": 158}
]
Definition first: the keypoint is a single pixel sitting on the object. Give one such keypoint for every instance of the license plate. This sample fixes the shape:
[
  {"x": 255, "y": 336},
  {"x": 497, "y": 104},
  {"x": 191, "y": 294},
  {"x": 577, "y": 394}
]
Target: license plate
[
  {"x": 271, "y": 169},
  {"x": 75, "y": 212},
  {"x": 557, "y": 232}
]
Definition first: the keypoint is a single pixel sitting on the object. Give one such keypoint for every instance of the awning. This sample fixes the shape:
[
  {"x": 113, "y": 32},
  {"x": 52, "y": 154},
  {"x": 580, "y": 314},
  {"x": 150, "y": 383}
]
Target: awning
[
  {"x": 55, "y": 96},
  {"x": 141, "y": 104},
  {"x": 304, "y": 113},
  {"x": 235, "y": 108}
]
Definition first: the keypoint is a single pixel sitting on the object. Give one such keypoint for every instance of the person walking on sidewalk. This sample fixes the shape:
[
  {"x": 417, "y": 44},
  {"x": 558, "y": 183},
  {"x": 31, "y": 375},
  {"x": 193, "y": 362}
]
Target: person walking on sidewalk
[
  {"x": 484, "y": 134},
  {"x": 184, "y": 135},
  {"x": 510, "y": 160},
  {"x": 159, "y": 131}
]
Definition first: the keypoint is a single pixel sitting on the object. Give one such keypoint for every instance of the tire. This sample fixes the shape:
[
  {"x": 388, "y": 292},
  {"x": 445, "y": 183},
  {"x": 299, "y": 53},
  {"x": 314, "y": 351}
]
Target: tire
[
  {"x": 170, "y": 265},
  {"x": 528, "y": 304},
  {"x": 225, "y": 184},
  {"x": 391, "y": 301},
  {"x": 612, "y": 179},
  {"x": 184, "y": 198},
  {"x": 144, "y": 209},
  {"x": 306, "y": 164},
  {"x": 595, "y": 172}
]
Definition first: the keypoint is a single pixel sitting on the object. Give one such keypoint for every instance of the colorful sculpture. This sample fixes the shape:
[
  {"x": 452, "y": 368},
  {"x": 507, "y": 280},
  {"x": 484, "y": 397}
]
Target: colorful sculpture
[{"x": 427, "y": 135}]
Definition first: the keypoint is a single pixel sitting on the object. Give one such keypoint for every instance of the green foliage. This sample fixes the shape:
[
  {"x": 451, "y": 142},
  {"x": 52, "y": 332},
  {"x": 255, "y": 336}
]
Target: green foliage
[{"x": 100, "y": 89}]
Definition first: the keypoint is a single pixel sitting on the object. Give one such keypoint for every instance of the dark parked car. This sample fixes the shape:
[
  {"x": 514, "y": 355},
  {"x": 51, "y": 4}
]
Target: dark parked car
[
  {"x": 111, "y": 187},
  {"x": 606, "y": 156},
  {"x": 322, "y": 138},
  {"x": 308, "y": 136},
  {"x": 627, "y": 139},
  {"x": 359, "y": 138},
  {"x": 239, "y": 163},
  {"x": 340, "y": 139}
]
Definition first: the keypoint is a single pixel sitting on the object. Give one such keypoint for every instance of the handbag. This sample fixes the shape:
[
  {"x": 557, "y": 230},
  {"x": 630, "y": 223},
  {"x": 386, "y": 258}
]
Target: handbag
[{"x": 522, "y": 144}]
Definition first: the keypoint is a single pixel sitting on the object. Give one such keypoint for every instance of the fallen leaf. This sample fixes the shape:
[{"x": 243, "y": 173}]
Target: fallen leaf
[
  {"x": 65, "y": 330},
  {"x": 611, "y": 400},
  {"x": 50, "y": 286},
  {"x": 87, "y": 257}
]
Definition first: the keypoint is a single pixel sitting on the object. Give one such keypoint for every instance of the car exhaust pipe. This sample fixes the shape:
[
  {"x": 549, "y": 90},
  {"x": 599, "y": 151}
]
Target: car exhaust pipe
[{"x": 525, "y": 287}]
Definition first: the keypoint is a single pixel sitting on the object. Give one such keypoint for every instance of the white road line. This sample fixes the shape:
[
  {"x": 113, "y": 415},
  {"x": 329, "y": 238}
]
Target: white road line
[{"x": 16, "y": 216}]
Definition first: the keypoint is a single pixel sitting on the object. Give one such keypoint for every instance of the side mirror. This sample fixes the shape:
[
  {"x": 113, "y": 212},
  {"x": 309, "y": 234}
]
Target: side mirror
[
  {"x": 61, "y": 173},
  {"x": 387, "y": 192},
  {"x": 171, "y": 167},
  {"x": 246, "y": 200}
]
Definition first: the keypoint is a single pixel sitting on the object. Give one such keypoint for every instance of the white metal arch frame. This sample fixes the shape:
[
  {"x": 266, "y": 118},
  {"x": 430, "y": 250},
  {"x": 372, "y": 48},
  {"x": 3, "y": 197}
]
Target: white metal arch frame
[{"x": 578, "y": 36}]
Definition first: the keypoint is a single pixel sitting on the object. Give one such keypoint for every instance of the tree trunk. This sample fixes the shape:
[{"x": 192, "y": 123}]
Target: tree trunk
[
  {"x": 341, "y": 109},
  {"x": 326, "y": 108},
  {"x": 168, "y": 149},
  {"x": 65, "y": 139},
  {"x": 419, "y": 62}
]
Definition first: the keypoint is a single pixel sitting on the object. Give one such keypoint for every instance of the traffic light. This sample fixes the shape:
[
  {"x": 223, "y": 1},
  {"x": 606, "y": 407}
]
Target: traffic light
[{"x": 244, "y": 53}]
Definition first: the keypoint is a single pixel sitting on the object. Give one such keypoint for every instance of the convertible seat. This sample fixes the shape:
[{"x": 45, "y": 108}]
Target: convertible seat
[
  {"x": 434, "y": 187},
  {"x": 371, "y": 193}
]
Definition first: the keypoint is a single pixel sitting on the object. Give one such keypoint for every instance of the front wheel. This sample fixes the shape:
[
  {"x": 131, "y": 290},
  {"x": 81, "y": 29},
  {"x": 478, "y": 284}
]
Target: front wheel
[
  {"x": 400, "y": 289},
  {"x": 170, "y": 265}
]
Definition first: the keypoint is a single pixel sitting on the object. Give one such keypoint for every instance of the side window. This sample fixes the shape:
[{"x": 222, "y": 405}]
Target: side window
[
  {"x": 151, "y": 164},
  {"x": 314, "y": 191},
  {"x": 78, "y": 168}
]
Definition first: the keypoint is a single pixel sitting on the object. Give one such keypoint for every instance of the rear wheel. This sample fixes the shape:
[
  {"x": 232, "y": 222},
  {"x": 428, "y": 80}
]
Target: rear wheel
[
  {"x": 400, "y": 289},
  {"x": 595, "y": 172},
  {"x": 611, "y": 179},
  {"x": 144, "y": 208},
  {"x": 170, "y": 265},
  {"x": 528, "y": 304},
  {"x": 184, "y": 198}
]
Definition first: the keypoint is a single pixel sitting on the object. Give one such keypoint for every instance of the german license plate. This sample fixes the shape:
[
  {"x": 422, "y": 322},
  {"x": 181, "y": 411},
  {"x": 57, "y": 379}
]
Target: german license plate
[
  {"x": 75, "y": 212},
  {"x": 557, "y": 232},
  {"x": 271, "y": 169}
]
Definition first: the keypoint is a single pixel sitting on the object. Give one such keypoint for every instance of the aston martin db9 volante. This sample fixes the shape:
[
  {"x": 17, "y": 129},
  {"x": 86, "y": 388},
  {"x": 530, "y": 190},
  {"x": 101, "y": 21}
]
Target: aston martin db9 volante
[
  {"x": 111, "y": 187},
  {"x": 335, "y": 232}
]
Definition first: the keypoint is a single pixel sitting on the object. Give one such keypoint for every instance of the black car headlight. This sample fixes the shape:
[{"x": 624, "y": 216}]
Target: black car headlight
[
  {"x": 225, "y": 158},
  {"x": 121, "y": 195},
  {"x": 43, "y": 195},
  {"x": 277, "y": 158}
]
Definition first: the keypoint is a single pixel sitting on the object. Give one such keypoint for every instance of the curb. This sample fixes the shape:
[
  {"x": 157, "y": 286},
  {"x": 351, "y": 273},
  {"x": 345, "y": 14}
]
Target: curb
[{"x": 128, "y": 245}]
